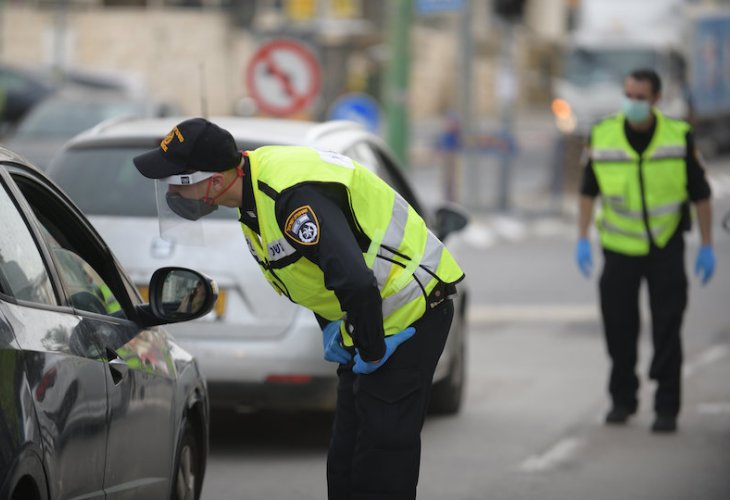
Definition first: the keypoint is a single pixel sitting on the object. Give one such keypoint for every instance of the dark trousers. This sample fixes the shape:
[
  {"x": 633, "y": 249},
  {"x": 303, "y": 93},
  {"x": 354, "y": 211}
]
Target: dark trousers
[
  {"x": 375, "y": 450},
  {"x": 619, "y": 289}
]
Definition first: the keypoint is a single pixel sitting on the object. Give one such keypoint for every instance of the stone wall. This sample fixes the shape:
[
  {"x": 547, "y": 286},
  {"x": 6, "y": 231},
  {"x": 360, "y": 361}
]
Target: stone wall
[{"x": 174, "y": 52}]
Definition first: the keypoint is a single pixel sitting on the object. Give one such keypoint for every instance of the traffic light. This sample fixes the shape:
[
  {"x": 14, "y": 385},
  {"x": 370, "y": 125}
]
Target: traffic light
[{"x": 510, "y": 10}]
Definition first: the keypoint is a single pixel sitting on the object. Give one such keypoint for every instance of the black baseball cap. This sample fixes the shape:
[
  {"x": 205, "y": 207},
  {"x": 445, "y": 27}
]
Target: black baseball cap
[{"x": 193, "y": 145}]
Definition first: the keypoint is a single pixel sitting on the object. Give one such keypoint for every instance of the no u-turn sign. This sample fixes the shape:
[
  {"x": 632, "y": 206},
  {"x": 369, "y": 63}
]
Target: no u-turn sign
[{"x": 283, "y": 77}]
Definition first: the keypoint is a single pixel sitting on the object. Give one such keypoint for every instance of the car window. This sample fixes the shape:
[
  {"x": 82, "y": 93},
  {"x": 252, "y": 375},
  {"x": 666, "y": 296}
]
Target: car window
[
  {"x": 67, "y": 117},
  {"x": 23, "y": 274},
  {"x": 104, "y": 181},
  {"x": 13, "y": 81},
  {"x": 88, "y": 273},
  {"x": 85, "y": 288}
]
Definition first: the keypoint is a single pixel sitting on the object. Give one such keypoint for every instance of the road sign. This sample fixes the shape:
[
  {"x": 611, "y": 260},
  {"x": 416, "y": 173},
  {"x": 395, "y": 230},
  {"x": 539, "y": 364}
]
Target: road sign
[
  {"x": 357, "y": 107},
  {"x": 283, "y": 77}
]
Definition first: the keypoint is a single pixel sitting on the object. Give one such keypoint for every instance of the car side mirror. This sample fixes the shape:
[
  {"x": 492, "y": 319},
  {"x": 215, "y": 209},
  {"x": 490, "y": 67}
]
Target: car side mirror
[
  {"x": 450, "y": 219},
  {"x": 178, "y": 294}
]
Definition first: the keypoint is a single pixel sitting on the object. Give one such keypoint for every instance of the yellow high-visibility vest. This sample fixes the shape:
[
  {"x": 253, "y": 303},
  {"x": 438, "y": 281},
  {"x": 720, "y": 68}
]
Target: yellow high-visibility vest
[
  {"x": 655, "y": 182},
  {"x": 407, "y": 260}
]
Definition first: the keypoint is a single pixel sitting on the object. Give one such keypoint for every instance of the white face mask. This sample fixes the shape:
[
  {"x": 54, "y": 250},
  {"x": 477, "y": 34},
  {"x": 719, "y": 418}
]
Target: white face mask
[{"x": 636, "y": 110}]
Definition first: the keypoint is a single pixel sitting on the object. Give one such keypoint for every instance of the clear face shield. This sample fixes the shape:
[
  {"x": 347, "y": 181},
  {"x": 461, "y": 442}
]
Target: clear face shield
[{"x": 180, "y": 217}]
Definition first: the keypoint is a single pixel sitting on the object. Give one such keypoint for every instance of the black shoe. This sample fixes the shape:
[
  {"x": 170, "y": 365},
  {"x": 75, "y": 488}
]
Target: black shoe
[
  {"x": 664, "y": 424},
  {"x": 619, "y": 415}
]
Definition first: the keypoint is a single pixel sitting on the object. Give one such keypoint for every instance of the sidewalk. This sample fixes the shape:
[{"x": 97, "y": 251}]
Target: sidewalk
[{"x": 536, "y": 208}]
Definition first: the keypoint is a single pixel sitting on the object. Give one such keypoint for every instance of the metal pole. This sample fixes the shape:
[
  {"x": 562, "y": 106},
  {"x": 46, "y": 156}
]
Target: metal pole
[
  {"x": 470, "y": 168},
  {"x": 60, "y": 36},
  {"x": 2, "y": 27},
  {"x": 398, "y": 69},
  {"x": 506, "y": 94}
]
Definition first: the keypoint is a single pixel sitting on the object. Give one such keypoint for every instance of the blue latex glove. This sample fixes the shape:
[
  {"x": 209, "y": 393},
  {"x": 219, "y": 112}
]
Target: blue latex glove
[
  {"x": 583, "y": 256},
  {"x": 334, "y": 351},
  {"x": 705, "y": 263},
  {"x": 391, "y": 344}
]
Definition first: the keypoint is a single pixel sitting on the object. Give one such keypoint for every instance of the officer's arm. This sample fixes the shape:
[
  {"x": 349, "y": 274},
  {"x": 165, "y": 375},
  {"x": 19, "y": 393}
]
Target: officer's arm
[
  {"x": 337, "y": 253},
  {"x": 699, "y": 189},
  {"x": 588, "y": 191},
  {"x": 585, "y": 215},
  {"x": 704, "y": 220}
]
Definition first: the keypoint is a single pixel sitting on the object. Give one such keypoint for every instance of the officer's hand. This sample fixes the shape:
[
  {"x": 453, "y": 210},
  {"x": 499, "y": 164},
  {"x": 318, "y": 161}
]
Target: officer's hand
[
  {"x": 705, "y": 263},
  {"x": 334, "y": 351},
  {"x": 583, "y": 256},
  {"x": 391, "y": 344}
]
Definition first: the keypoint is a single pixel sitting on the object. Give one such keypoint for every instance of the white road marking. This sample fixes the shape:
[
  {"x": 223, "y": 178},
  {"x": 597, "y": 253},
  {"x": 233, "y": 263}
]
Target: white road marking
[
  {"x": 562, "y": 452},
  {"x": 720, "y": 184},
  {"x": 720, "y": 409},
  {"x": 705, "y": 358}
]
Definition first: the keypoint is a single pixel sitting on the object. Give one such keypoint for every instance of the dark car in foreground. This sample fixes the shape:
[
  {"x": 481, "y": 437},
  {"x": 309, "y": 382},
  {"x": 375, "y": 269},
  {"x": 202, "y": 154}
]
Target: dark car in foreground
[{"x": 96, "y": 398}]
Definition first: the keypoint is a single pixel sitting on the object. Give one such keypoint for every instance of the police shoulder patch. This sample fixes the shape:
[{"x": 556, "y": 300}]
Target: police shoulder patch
[{"x": 302, "y": 226}]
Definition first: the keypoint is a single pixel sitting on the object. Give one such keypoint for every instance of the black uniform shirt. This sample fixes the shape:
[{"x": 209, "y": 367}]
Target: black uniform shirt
[
  {"x": 333, "y": 244},
  {"x": 248, "y": 207}
]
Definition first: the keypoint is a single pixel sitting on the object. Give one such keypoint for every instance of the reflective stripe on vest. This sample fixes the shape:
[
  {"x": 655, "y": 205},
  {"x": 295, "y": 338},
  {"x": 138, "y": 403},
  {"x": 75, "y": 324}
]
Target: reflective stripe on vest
[
  {"x": 641, "y": 235},
  {"x": 663, "y": 170},
  {"x": 620, "y": 209},
  {"x": 407, "y": 260},
  {"x": 610, "y": 155}
]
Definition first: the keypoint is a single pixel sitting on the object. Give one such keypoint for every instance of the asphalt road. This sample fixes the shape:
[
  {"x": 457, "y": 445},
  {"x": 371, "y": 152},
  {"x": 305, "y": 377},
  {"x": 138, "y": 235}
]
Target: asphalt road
[
  {"x": 531, "y": 426},
  {"x": 532, "y": 423}
]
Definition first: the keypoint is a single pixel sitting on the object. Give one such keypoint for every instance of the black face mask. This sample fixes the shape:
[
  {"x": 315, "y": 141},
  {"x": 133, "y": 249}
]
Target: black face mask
[{"x": 188, "y": 209}]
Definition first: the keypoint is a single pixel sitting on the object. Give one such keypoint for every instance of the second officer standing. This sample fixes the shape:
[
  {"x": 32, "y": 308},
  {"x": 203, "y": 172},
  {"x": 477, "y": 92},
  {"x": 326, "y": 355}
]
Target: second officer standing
[{"x": 647, "y": 171}]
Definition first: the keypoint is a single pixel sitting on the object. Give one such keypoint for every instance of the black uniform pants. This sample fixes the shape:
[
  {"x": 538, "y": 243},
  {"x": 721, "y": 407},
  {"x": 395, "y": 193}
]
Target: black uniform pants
[
  {"x": 375, "y": 450},
  {"x": 619, "y": 290}
]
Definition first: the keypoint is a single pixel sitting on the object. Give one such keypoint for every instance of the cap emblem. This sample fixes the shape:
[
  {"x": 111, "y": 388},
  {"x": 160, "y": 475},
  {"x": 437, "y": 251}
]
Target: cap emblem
[{"x": 169, "y": 137}]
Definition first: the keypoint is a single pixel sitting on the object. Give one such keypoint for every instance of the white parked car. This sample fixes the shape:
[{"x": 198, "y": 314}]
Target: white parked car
[{"x": 255, "y": 349}]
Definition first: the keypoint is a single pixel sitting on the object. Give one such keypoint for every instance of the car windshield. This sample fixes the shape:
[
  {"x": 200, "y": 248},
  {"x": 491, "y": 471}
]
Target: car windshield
[
  {"x": 104, "y": 181},
  {"x": 66, "y": 118},
  {"x": 586, "y": 67}
]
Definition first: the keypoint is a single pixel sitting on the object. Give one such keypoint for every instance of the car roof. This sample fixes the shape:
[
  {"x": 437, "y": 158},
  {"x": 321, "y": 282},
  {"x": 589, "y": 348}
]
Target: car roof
[
  {"x": 6, "y": 155},
  {"x": 253, "y": 130},
  {"x": 73, "y": 92}
]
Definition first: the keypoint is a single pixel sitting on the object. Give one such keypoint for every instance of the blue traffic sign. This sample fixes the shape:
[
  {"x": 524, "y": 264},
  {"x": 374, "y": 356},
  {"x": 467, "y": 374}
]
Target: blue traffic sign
[
  {"x": 424, "y": 7},
  {"x": 357, "y": 107}
]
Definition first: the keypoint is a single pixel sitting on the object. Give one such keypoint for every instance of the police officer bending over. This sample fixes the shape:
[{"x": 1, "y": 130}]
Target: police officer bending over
[{"x": 333, "y": 237}]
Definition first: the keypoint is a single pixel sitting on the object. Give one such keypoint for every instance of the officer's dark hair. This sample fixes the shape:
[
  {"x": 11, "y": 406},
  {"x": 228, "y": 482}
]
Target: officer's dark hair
[{"x": 648, "y": 74}]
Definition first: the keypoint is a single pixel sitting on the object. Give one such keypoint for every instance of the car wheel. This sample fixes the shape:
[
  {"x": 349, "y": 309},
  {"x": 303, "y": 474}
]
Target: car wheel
[
  {"x": 26, "y": 481},
  {"x": 187, "y": 481},
  {"x": 446, "y": 394}
]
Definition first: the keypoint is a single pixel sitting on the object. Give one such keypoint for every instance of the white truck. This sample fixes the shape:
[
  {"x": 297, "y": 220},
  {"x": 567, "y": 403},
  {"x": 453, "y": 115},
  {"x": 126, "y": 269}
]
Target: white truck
[{"x": 686, "y": 43}]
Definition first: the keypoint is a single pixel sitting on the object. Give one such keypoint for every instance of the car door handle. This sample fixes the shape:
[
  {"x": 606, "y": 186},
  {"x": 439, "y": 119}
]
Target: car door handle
[{"x": 117, "y": 366}]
